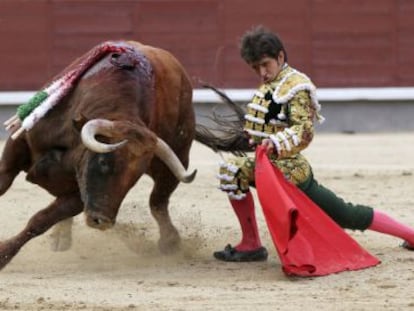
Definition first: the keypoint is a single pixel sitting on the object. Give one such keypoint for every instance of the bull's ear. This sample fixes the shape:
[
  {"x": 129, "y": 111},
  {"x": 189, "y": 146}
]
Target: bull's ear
[{"x": 79, "y": 121}]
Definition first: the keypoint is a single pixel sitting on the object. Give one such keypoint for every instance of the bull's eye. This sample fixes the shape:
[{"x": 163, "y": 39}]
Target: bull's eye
[
  {"x": 101, "y": 164},
  {"x": 104, "y": 164}
]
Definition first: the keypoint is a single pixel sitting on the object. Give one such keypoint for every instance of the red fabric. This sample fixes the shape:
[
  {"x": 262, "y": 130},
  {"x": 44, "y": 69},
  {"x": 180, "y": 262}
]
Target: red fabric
[{"x": 308, "y": 242}]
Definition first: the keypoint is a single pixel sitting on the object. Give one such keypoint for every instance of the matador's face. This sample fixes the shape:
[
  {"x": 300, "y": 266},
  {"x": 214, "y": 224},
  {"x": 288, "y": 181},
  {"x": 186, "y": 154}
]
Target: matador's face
[{"x": 268, "y": 67}]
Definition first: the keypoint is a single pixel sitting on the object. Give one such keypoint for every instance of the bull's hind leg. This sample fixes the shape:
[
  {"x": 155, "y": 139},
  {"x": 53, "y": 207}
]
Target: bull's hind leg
[
  {"x": 169, "y": 241},
  {"x": 62, "y": 208}
]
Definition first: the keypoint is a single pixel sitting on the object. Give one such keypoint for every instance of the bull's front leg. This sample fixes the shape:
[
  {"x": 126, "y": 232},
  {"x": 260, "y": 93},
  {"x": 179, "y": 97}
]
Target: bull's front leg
[
  {"x": 169, "y": 241},
  {"x": 62, "y": 208},
  {"x": 61, "y": 236},
  {"x": 43, "y": 172},
  {"x": 15, "y": 158},
  {"x": 6, "y": 177}
]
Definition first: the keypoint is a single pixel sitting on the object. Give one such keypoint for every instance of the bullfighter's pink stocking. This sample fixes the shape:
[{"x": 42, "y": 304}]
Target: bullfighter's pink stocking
[
  {"x": 244, "y": 210},
  {"x": 386, "y": 224}
]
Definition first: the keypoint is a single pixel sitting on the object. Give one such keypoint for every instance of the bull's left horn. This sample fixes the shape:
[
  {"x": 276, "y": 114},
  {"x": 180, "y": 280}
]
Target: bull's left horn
[
  {"x": 99, "y": 126},
  {"x": 164, "y": 152}
]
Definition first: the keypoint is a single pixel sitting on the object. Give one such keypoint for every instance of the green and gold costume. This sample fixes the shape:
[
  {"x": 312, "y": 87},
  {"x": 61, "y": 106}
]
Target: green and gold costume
[{"x": 284, "y": 111}]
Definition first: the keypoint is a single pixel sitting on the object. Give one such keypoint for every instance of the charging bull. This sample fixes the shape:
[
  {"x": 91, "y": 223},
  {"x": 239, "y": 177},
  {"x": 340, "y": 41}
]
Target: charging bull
[{"x": 127, "y": 113}]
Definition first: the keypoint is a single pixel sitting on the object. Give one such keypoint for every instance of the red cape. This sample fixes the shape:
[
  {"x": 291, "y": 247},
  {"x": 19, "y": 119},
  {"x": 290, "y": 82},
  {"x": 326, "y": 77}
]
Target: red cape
[{"x": 308, "y": 241}]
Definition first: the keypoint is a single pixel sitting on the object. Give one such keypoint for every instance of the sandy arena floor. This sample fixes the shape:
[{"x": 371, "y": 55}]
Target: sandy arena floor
[{"x": 121, "y": 269}]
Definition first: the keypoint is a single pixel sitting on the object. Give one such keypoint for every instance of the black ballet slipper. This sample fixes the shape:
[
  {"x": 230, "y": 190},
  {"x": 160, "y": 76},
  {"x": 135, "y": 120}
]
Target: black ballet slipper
[
  {"x": 407, "y": 246},
  {"x": 231, "y": 254}
]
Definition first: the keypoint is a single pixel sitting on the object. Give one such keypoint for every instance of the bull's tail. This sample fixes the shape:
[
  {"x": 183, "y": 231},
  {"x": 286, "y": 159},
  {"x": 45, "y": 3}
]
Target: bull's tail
[{"x": 226, "y": 132}]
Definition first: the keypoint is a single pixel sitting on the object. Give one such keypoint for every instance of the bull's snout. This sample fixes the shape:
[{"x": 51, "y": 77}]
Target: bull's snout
[{"x": 98, "y": 221}]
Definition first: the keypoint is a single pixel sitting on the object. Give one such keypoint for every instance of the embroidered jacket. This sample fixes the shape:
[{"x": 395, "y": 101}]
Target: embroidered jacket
[{"x": 284, "y": 110}]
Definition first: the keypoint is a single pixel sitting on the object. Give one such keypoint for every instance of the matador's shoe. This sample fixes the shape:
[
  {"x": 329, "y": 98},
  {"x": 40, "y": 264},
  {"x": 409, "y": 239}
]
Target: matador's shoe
[
  {"x": 407, "y": 245},
  {"x": 231, "y": 254}
]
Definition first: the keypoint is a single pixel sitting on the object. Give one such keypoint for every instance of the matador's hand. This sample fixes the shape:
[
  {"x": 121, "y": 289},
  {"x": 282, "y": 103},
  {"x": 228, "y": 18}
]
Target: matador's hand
[{"x": 269, "y": 146}]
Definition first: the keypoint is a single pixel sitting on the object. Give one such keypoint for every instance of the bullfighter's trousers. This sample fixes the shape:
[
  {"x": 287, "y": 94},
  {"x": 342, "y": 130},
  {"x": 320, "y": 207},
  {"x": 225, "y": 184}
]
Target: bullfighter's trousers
[{"x": 345, "y": 214}]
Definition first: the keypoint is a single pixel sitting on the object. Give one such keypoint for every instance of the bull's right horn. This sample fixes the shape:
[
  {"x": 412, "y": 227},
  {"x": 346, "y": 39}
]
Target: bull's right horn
[
  {"x": 167, "y": 155},
  {"x": 99, "y": 126}
]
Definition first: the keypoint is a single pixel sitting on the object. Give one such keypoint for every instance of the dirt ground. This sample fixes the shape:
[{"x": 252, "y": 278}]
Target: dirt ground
[{"x": 121, "y": 269}]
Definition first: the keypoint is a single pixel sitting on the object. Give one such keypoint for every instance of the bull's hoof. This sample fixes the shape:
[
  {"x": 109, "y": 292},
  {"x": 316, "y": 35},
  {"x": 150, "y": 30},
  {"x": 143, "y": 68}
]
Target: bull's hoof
[
  {"x": 170, "y": 245},
  {"x": 61, "y": 237},
  {"x": 60, "y": 243}
]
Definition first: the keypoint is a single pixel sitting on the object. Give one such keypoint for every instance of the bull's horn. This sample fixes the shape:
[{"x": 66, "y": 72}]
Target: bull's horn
[
  {"x": 99, "y": 126},
  {"x": 164, "y": 152}
]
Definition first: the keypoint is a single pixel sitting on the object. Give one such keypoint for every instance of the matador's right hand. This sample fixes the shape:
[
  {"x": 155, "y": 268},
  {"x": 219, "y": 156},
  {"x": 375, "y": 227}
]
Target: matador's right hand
[{"x": 269, "y": 146}]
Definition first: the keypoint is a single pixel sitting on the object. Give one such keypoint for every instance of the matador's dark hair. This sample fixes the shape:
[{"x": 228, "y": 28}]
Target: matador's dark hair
[{"x": 260, "y": 42}]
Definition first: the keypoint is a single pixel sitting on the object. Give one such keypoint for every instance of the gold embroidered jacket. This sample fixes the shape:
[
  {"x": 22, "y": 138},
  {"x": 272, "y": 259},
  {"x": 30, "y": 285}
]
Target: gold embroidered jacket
[{"x": 284, "y": 111}]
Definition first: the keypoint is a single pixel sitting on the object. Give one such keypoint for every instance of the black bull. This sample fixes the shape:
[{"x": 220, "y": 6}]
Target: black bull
[{"x": 118, "y": 123}]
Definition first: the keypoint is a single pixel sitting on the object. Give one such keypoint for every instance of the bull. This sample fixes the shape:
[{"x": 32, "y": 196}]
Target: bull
[{"x": 130, "y": 113}]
